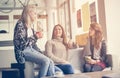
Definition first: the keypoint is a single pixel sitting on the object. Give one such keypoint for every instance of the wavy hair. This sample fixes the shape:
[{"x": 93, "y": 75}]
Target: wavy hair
[
  {"x": 25, "y": 13},
  {"x": 63, "y": 34},
  {"x": 98, "y": 34}
]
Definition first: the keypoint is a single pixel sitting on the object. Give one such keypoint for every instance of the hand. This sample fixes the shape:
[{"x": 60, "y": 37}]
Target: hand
[
  {"x": 97, "y": 61},
  {"x": 39, "y": 34},
  {"x": 88, "y": 58},
  {"x": 92, "y": 61},
  {"x": 65, "y": 62},
  {"x": 70, "y": 44}
]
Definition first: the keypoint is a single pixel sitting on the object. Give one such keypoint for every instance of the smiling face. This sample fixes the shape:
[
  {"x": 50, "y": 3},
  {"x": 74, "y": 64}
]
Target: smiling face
[
  {"x": 32, "y": 13},
  {"x": 57, "y": 31}
]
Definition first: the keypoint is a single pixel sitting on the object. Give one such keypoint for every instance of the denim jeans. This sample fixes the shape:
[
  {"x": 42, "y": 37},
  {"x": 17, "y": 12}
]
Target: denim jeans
[
  {"x": 92, "y": 67},
  {"x": 66, "y": 68},
  {"x": 56, "y": 70},
  {"x": 51, "y": 69},
  {"x": 46, "y": 65}
]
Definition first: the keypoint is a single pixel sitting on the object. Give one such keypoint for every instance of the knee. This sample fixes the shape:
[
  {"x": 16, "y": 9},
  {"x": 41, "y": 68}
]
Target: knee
[
  {"x": 69, "y": 69},
  {"x": 51, "y": 62},
  {"x": 68, "y": 66},
  {"x": 96, "y": 68},
  {"x": 87, "y": 68},
  {"x": 45, "y": 61}
]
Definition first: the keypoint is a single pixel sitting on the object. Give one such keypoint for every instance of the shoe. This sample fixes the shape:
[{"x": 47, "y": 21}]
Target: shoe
[{"x": 59, "y": 74}]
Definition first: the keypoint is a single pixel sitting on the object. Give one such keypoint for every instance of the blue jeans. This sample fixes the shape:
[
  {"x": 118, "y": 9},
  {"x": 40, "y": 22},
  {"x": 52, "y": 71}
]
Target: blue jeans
[
  {"x": 46, "y": 65},
  {"x": 55, "y": 68},
  {"x": 66, "y": 68},
  {"x": 92, "y": 67}
]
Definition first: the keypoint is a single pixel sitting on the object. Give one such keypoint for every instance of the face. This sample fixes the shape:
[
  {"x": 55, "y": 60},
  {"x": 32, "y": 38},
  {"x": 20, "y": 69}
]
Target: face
[
  {"x": 32, "y": 13},
  {"x": 58, "y": 31},
  {"x": 91, "y": 32}
]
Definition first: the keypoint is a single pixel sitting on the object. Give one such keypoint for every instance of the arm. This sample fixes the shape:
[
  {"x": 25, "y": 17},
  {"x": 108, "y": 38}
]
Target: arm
[
  {"x": 20, "y": 37},
  {"x": 72, "y": 45},
  {"x": 87, "y": 50},
  {"x": 87, "y": 53},
  {"x": 102, "y": 54},
  {"x": 103, "y": 50},
  {"x": 37, "y": 48}
]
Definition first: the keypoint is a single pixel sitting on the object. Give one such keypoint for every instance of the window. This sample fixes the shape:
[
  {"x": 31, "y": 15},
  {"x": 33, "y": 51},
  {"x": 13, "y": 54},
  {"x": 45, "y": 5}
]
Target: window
[{"x": 64, "y": 16}]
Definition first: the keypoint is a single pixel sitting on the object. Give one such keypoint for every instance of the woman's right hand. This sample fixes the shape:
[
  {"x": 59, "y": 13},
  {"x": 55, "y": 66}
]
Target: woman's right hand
[
  {"x": 65, "y": 62},
  {"x": 92, "y": 61}
]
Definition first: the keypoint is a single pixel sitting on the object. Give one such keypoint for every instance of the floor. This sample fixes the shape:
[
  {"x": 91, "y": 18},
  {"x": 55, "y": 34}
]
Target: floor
[
  {"x": 89, "y": 75},
  {"x": 113, "y": 74},
  {"x": 0, "y": 74}
]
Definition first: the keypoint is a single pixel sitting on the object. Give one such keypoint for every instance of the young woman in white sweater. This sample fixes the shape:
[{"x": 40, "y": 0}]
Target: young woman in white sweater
[{"x": 57, "y": 48}]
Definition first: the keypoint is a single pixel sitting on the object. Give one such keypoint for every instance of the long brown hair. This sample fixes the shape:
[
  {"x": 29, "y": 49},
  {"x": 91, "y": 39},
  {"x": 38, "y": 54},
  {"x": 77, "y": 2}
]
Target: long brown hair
[
  {"x": 98, "y": 34},
  {"x": 63, "y": 34}
]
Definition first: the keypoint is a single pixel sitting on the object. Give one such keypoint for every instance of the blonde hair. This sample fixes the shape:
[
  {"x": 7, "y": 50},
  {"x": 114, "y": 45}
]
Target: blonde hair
[
  {"x": 25, "y": 14},
  {"x": 98, "y": 34}
]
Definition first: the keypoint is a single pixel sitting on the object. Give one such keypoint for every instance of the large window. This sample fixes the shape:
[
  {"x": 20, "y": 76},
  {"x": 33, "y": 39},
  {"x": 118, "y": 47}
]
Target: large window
[{"x": 64, "y": 16}]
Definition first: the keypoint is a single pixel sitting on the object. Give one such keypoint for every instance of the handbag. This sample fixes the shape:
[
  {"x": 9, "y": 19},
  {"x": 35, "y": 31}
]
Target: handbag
[{"x": 102, "y": 64}]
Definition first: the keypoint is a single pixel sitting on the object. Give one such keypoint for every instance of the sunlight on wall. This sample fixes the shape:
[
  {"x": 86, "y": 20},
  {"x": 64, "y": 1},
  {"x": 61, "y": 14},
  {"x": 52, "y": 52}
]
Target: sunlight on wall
[
  {"x": 113, "y": 28},
  {"x": 86, "y": 16}
]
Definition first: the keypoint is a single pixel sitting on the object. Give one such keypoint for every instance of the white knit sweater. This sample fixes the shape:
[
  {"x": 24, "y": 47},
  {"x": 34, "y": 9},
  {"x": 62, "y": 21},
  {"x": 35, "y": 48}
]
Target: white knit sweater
[{"x": 56, "y": 50}]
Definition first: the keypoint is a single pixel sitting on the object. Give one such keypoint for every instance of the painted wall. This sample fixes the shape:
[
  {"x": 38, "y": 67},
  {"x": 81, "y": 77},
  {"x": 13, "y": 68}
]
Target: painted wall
[
  {"x": 113, "y": 29},
  {"x": 83, "y": 5}
]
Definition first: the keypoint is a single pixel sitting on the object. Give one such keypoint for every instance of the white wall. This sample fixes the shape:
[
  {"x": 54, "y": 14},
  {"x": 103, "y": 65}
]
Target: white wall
[
  {"x": 51, "y": 12},
  {"x": 12, "y": 22},
  {"x": 113, "y": 29},
  {"x": 6, "y": 58}
]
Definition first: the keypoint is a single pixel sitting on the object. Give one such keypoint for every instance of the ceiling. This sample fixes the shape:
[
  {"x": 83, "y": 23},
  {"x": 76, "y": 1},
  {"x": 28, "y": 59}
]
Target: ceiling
[{"x": 7, "y": 6}]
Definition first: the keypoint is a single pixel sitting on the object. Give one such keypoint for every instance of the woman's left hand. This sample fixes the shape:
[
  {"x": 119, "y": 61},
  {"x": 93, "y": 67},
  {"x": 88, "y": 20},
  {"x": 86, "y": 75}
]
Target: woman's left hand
[
  {"x": 39, "y": 34},
  {"x": 65, "y": 62},
  {"x": 72, "y": 44},
  {"x": 92, "y": 61}
]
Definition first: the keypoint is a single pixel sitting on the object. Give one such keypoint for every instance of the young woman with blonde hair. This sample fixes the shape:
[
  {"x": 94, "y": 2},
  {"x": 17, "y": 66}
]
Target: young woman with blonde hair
[{"x": 25, "y": 38}]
